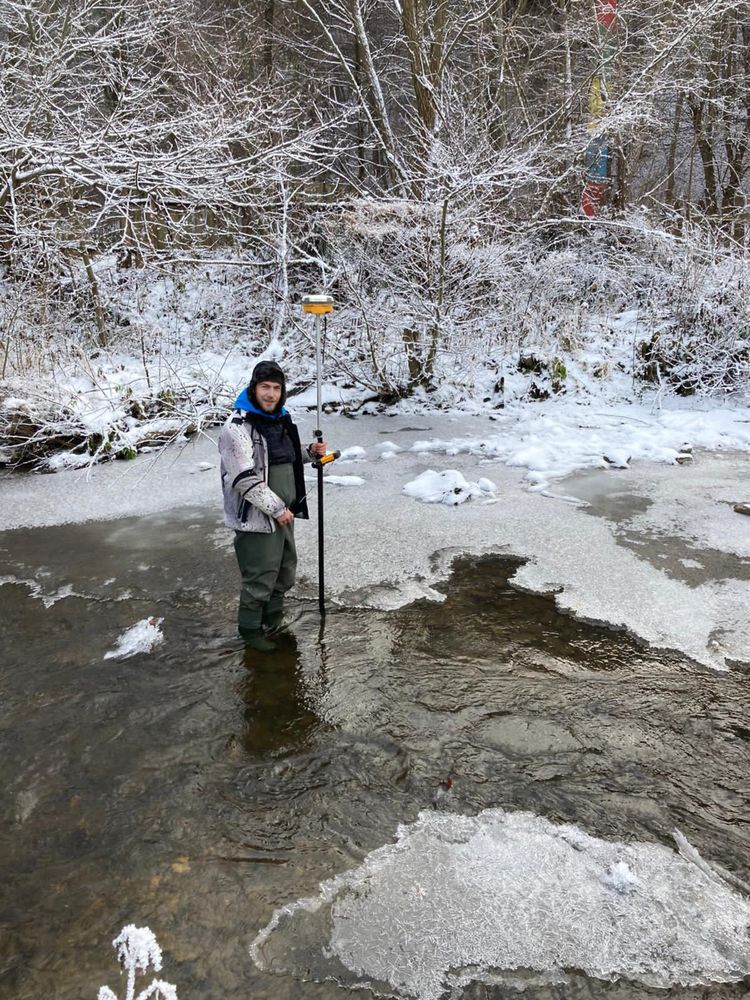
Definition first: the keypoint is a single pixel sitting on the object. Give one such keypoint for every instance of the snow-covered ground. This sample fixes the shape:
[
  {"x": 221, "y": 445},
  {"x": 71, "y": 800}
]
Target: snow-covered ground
[
  {"x": 180, "y": 345},
  {"x": 641, "y": 534}
]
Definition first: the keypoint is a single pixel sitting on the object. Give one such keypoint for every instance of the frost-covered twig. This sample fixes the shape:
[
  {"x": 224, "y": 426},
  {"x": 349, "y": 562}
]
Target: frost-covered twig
[{"x": 137, "y": 949}]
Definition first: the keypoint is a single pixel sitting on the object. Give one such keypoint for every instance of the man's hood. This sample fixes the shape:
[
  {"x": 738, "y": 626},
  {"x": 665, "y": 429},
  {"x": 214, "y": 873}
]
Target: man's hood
[{"x": 268, "y": 371}]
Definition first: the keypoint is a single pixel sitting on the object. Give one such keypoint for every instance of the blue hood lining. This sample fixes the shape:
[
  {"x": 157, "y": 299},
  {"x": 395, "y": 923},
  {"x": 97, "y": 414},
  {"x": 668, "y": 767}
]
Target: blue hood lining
[{"x": 243, "y": 403}]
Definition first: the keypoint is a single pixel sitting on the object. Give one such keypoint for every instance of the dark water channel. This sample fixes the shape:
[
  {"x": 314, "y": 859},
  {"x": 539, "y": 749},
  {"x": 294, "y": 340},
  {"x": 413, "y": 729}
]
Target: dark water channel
[{"x": 196, "y": 788}]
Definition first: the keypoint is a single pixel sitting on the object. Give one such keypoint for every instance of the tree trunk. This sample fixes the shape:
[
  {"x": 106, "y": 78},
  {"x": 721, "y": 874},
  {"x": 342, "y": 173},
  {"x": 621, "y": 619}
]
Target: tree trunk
[
  {"x": 416, "y": 368},
  {"x": 429, "y": 368},
  {"x": 705, "y": 149},
  {"x": 98, "y": 308},
  {"x": 268, "y": 23},
  {"x": 672, "y": 154}
]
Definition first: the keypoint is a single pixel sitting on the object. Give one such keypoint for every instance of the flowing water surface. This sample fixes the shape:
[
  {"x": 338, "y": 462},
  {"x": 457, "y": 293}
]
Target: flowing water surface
[{"x": 196, "y": 788}]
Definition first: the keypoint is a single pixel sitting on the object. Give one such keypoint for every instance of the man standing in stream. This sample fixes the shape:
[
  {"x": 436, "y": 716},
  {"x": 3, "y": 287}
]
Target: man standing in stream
[{"x": 264, "y": 491}]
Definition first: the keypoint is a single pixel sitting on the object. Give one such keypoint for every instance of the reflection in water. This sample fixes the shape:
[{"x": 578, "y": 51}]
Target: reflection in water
[
  {"x": 198, "y": 788},
  {"x": 278, "y": 717}
]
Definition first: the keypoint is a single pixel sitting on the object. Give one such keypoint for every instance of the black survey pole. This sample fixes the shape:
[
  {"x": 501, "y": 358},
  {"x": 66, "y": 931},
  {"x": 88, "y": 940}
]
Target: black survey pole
[
  {"x": 319, "y": 305},
  {"x": 319, "y": 437},
  {"x": 321, "y": 543}
]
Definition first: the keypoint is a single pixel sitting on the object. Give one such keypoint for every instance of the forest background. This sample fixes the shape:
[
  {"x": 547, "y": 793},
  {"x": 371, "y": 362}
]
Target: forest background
[{"x": 174, "y": 174}]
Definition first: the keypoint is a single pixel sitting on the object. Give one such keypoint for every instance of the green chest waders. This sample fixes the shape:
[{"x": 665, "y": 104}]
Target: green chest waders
[{"x": 267, "y": 561}]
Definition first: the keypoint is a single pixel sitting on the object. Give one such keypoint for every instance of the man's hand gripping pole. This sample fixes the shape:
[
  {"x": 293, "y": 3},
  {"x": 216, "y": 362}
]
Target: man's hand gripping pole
[{"x": 330, "y": 456}]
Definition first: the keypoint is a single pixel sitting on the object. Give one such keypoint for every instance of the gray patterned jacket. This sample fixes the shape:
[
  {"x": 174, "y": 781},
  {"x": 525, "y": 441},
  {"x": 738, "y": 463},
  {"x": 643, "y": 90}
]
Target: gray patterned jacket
[{"x": 249, "y": 502}]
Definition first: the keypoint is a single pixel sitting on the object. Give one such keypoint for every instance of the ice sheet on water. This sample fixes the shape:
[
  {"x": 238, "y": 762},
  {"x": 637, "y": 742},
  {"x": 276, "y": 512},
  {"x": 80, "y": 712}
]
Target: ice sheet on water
[
  {"x": 344, "y": 480},
  {"x": 459, "y": 899},
  {"x": 38, "y": 593}
]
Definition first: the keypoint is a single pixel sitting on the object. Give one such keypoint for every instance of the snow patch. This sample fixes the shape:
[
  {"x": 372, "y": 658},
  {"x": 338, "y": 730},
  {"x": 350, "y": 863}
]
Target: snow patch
[
  {"x": 448, "y": 487},
  {"x": 274, "y": 351},
  {"x": 354, "y": 454},
  {"x": 67, "y": 460},
  {"x": 558, "y": 439},
  {"x": 620, "y": 878},
  {"x": 385, "y": 446}
]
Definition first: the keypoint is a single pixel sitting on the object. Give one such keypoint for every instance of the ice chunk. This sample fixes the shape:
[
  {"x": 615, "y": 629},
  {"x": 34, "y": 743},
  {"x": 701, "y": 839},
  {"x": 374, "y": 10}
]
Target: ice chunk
[
  {"x": 422, "y": 447},
  {"x": 353, "y": 454},
  {"x": 448, "y": 487},
  {"x": 459, "y": 899},
  {"x": 141, "y": 638},
  {"x": 620, "y": 878},
  {"x": 617, "y": 458}
]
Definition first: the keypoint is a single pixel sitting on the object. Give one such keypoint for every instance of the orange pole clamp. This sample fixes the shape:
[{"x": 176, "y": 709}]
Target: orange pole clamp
[{"x": 326, "y": 459}]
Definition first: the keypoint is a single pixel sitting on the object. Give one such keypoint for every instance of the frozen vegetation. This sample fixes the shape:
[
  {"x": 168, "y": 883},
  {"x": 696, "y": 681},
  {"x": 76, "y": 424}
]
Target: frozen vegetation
[
  {"x": 169, "y": 190},
  {"x": 181, "y": 346},
  {"x": 137, "y": 950}
]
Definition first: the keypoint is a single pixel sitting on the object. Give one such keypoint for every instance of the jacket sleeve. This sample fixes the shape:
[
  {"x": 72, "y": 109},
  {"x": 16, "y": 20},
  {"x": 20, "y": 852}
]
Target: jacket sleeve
[
  {"x": 237, "y": 454},
  {"x": 263, "y": 497}
]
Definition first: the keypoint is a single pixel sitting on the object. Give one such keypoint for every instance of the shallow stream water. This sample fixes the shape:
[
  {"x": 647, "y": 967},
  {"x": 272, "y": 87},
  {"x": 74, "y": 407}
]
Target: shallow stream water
[{"x": 198, "y": 787}]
